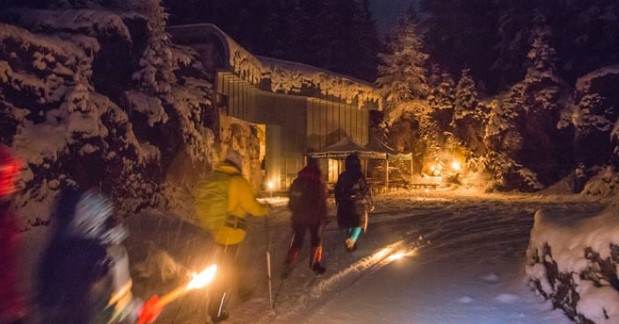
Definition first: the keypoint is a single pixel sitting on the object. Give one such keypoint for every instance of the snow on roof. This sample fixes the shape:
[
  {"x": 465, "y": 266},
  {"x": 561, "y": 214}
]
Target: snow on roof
[
  {"x": 285, "y": 76},
  {"x": 583, "y": 83}
]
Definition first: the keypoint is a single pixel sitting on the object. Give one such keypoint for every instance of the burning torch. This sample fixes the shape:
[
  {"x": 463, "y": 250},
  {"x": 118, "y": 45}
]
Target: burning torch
[
  {"x": 152, "y": 307},
  {"x": 198, "y": 281}
]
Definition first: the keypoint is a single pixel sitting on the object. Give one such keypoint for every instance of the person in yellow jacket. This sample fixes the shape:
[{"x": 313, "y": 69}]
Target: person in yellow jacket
[{"x": 223, "y": 201}]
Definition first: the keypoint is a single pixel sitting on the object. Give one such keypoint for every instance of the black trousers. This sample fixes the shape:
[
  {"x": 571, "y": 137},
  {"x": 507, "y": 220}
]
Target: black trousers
[
  {"x": 299, "y": 231},
  {"x": 226, "y": 258}
]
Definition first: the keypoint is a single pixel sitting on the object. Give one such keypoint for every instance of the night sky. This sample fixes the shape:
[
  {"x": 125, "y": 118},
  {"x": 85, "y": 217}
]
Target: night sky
[{"x": 387, "y": 12}]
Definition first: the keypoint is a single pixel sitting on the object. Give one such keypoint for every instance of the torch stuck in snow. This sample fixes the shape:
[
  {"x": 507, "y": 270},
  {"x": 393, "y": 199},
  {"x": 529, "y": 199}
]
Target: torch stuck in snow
[{"x": 198, "y": 281}]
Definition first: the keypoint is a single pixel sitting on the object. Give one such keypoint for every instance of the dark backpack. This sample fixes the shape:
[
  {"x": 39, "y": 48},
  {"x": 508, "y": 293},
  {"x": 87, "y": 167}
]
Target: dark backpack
[
  {"x": 351, "y": 187},
  {"x": 306, "y": 199}
]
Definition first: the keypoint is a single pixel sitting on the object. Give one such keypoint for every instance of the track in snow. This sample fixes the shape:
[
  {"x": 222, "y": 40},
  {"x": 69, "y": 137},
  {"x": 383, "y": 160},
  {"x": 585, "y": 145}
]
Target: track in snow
[{"x": 465, "y": 265}]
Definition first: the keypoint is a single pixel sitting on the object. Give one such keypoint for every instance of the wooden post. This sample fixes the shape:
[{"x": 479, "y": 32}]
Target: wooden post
[
  {"x": 412, "y": 169},
  {"x": 387, "y": 173}
]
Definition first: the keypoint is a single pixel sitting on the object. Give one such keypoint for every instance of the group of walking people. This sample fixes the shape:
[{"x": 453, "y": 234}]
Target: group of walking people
[
  {"x": 84, "y": 275},
  {"x": 308, "y": 204},
  {"x": 225, "y": 199}
]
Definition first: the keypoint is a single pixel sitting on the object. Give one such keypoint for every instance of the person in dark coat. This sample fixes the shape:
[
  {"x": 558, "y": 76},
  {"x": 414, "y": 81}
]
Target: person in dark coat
[
  {"x": 308, "y": 203},
  {"x": 354, "y": 201},
  {"x": 84, "y": 272},
  {"x": 12, "y": 308}
]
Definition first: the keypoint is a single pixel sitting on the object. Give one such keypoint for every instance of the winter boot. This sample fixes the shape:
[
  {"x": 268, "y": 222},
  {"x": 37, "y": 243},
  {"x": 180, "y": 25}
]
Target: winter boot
[
  {"x": 316, "y": 261},
  {"x": 318, "y": 268},
  {"x": 351, "y": 245}
]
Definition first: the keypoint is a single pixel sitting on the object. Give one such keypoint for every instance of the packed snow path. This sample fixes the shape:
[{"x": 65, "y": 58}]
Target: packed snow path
[{"x": 462, "y": 261}]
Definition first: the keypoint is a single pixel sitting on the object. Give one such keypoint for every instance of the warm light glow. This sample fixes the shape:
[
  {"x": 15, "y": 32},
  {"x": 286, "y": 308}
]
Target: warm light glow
[
  {"x": 400, "y": 255},
  {"x": 202, "y": 279},
  {"x": 271, "y": 185},
  {"x": 456, "y": 166},
  {"x": 436, "y": 169},
  {"x": 396, "y": 256}
]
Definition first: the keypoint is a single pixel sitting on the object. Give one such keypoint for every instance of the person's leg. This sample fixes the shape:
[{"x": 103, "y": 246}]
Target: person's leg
[
  {"x": 220, "y": 294},
  {"x": 316, "y": 253},
  {"x": 353, "y": 236},
  {"x": 298, "y": 234},
  {"x": 296, "y": 244}
]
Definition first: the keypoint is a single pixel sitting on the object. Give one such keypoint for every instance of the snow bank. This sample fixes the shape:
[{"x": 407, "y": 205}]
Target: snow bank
[{"x": 574, "y": 263}]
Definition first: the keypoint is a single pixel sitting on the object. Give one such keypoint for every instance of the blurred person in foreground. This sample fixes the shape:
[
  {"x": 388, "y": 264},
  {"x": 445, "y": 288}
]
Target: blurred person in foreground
[
  {"x": 223, "y": 201},
  {"x": 308, "y": 204},
  {"x": 84, "y": 273},
  {"x": 354, "y": 201},
  {"x": 12, "y": 308}
]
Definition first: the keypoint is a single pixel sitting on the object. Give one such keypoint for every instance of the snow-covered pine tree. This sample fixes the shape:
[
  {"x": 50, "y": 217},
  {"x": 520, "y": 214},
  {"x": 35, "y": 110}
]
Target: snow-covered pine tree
[
  {"x": 461, "y": 33},
  {"x": 470, "y": 114},
  {"x": 403, "y": 82},
  {"x": 442, "y": 98},
  {"x": 542, "y": 56},
  {"x": 523, "y": 125},
  {"x": 366, "y": 41},
  {"x": 467, "y": 98},
  {"x": 156, "y": 75},
  {"x": 402, "y": 72}
]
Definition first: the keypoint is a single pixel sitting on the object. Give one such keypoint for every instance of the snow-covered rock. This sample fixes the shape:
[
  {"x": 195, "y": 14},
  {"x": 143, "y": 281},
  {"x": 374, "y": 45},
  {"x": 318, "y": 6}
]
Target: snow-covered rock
[{"x": 574, "y": 263}]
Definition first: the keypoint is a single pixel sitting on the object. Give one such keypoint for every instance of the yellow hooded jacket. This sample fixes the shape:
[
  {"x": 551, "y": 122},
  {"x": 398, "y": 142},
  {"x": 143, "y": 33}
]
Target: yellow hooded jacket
[{"x": 225, "y": 193}]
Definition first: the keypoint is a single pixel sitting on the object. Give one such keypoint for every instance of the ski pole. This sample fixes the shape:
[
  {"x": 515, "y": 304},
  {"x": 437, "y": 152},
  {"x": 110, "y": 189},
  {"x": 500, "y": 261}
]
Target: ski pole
[{"x": 268, "y": 259}]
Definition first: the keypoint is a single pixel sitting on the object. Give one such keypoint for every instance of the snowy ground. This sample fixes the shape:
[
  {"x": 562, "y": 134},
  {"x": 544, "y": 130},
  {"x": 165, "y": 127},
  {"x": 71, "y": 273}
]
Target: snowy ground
[{"x": 463, "y": 263}]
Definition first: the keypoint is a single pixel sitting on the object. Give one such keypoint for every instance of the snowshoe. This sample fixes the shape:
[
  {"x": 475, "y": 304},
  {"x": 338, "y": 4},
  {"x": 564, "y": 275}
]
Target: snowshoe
[
  {"x": 351, "y": 245},
  {"x": 318, "y": 268}
]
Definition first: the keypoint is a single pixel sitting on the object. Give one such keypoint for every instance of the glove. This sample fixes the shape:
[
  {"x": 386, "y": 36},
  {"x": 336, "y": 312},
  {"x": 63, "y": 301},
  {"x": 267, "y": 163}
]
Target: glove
[{"x": 150, "y": 310}]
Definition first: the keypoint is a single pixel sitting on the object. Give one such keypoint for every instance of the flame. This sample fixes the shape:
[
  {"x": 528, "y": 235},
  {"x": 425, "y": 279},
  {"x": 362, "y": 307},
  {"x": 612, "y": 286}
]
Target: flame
[
  {"x": 202, "y": 279},
  {"x": 456, "y": 166}
]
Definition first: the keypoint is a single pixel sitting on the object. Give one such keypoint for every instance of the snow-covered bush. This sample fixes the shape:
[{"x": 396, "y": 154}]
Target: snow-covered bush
[
  {"x": 93, "y": 96},
  {"x": 594, "y": 115},
  {"x": 575, "y": 264}
]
